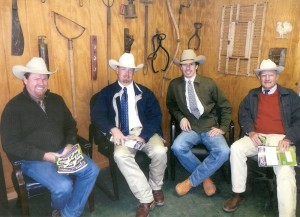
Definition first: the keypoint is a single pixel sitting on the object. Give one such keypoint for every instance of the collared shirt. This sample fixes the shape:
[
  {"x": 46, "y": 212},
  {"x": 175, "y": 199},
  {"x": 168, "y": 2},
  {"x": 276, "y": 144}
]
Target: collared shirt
[
  {"x": 199, "y": 104},
  {"x": 134, "y": 120},
  {"x": 272, "y": 90}
]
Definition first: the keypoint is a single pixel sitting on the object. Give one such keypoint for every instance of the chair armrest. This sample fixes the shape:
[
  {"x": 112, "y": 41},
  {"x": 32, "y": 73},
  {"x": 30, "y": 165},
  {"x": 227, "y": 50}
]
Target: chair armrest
[
  {"x": 18, "y": 173},
  {"x": 85, "y": 145},
  {"x": 231, "y": 133}
]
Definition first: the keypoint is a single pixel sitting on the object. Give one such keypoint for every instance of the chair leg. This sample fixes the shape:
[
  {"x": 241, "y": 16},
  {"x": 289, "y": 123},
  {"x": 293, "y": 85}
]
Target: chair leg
[
  {"x": 113, "y": 173},
  {"x": 23, "y": 199},
  {"x": 227, "y": 172},
  {"x": 172, "y": 165},
  {"x": 3, "y": 195}
]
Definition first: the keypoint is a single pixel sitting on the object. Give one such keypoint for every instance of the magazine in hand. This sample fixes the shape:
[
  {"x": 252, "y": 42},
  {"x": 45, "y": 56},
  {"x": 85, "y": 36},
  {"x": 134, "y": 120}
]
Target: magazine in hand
[
  {"x": 134, "y": 144},
  {"x": 271, "y": 156},
  {"x": 131, "y": 143},
  {"x": 72, "y": 161}
]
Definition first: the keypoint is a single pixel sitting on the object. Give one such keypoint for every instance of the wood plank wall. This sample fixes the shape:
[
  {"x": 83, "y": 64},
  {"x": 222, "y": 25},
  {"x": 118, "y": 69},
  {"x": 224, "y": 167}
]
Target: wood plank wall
[{"x": 37, "y": 18}]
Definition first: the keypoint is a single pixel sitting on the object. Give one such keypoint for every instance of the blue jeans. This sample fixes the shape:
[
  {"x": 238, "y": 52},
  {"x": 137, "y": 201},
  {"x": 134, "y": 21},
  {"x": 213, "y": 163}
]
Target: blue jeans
[
  {"x": 69, "y": 193},
  {"x": 218, "y": 154}
]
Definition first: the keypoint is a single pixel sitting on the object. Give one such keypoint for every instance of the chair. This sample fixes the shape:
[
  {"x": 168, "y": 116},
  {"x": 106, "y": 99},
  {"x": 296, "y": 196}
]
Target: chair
[
  {"x": 27, "y": 188},
  {"x": 199, "y": 150},
  {"x": 106, "y": 148},
  {"x": 3, "y": 192}
]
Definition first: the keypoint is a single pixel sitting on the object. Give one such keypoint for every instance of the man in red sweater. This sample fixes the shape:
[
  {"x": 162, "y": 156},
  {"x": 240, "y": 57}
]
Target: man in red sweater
[{"x": 273, "y": 112}]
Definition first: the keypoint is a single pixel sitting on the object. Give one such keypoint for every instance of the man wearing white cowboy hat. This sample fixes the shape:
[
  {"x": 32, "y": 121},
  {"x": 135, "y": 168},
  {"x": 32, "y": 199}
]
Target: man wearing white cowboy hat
[
  {"x": 192, "y": 100},
  {"x": 129, "y": 112},
  {"x": 37, "y": 127},
  {"x": 273, "y": 112}
]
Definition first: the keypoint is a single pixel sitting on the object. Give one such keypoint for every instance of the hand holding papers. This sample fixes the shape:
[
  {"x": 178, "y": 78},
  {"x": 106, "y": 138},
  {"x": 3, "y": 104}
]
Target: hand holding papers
[
  {"x": 272, "y": 156},
  {"x": 72, "y": 161}
]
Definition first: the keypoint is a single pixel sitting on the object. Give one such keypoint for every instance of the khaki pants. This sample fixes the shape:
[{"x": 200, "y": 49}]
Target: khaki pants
[
  {"x": 285, "y": 175},
  {"x": 136, "y": 179}
]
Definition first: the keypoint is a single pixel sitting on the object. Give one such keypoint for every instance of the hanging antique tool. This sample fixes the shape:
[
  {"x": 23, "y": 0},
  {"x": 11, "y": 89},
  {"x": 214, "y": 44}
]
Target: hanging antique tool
[
  {"x": 70, "y": 54},
  {"x": 128, "y": 41},
  {"x": 196, "y": 36},
  {"x": 128, "y": 10},
  {"x": 17, "y": 38},
  {"x": 93, "y": 53},
  {"x": 108, "y": 5},
  {"x": 43, "y": 49},
  {"x": 158, "y": 37},
  {"x": 181, "y": 9},
  {"x": 146, "y": 2}
]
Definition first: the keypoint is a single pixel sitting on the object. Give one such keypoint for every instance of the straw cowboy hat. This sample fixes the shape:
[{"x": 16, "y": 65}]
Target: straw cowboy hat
[
  {"x": 189, "y": 56},
  {"x": 127, "y": 61},
  {"x": 35, "y": 65},
  {"x": 268, "y": 65}
]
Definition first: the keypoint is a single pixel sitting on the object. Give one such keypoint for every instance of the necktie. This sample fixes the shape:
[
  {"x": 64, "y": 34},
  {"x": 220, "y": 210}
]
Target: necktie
[
  {"x": 124, "y": 112},
  {"x": 42, "y": 104},
  {"x": 192, "y": 100},
  {"x": 266, "y": 92}
]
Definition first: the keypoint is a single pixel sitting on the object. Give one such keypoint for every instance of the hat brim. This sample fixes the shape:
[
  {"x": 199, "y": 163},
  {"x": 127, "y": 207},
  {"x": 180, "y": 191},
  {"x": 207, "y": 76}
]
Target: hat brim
[
  {"x": 278, "y": 69},
  {"x": 115, "y": 64},
  {"x": 19, "y": 71},
  {"x": 199, "y": 59}
]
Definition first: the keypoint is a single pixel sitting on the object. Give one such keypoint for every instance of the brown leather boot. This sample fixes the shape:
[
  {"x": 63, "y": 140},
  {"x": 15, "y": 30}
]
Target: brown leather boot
[
  {"x": 183, "y": 187},
  {"x": 144, "y": 209},
  {"x": 209, "y": 187},
  {"x": 159, "y": 198},
  {"x": 232, "y": 203}
]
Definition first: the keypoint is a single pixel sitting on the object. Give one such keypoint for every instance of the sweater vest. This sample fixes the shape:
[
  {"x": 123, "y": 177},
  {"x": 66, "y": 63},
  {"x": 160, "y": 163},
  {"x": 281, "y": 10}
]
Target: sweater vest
[{"x": 268, "y": 119}]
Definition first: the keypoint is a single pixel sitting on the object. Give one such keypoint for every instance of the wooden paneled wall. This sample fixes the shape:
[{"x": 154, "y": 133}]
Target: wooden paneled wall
[{"x": 37, "y": 18}]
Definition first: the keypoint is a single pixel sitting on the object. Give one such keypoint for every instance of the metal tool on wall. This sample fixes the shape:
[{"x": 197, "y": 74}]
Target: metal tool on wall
[
  {"x": 146, "y": 2},
  {"x": 128, "y": 41},
  {"x": 195, "y": 37},
  {"x": 181, "y": 9},
  {"x": 17, "y": 38},
  {"x": 108, "y": 5},
  {"x": 70, "y": 54},
  {"x": 43, "y": 49},
  {"x": 158, "y": 38},
  {"x": 128, "y": 10},
  {"x": 93, "y": 53}
]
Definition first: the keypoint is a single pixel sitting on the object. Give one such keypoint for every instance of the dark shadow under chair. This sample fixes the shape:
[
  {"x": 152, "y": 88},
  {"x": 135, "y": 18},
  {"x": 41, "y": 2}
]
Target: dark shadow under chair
[{"x": 27, "y": 188}]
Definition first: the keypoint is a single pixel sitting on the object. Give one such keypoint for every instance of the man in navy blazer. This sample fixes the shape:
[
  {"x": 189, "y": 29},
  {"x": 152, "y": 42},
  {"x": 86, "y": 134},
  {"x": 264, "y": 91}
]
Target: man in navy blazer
[{"x": 143, "y": 128}]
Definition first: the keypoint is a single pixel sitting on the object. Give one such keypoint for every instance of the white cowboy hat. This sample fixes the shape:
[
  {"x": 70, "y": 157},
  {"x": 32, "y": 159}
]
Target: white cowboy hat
[
  {"x": 35, "y": 65},
  {"x": 189, "y": 56},
  {"x": 268, "y": 65},
  {"x": 127, "y": 61}
]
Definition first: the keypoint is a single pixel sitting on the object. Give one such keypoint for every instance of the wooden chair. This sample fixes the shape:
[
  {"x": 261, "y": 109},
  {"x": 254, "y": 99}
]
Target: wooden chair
[
  {"x": 27, "y": 188},
  {"x": 199, "y": 150}
]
